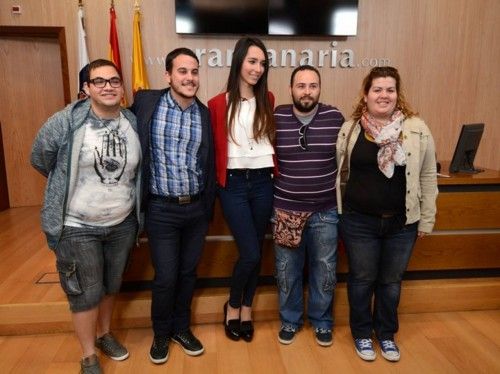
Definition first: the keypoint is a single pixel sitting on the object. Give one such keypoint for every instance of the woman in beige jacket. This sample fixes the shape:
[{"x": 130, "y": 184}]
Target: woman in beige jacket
[{"x": 387, "y": 191}]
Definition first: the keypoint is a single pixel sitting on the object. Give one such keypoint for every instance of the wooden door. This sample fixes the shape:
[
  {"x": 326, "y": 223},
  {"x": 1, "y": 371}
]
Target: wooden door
[{"x": 32, "y": 90}]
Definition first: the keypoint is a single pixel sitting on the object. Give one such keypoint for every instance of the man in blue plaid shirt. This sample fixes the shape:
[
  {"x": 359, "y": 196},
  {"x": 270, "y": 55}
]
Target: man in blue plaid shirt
[{"x": 179, "y": 191}]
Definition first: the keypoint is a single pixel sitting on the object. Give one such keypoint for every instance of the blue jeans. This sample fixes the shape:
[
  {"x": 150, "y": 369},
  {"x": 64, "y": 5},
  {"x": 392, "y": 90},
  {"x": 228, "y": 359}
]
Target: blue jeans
[
  {"x": 247, "y": 202},
  {"x": 91, "y": 261},
  {"x": 176, "y": 236},
  {"x": 319, "y": 241},
  {"x": 378, "y": 252}
]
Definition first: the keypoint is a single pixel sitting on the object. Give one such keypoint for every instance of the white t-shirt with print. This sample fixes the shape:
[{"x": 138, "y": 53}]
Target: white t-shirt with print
[{"x": 104, "y": 192}]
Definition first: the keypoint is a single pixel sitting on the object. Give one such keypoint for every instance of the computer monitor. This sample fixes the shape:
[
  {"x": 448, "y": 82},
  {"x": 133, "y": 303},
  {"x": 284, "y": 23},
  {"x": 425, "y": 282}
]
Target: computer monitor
[{"x": 465, "y": 151}]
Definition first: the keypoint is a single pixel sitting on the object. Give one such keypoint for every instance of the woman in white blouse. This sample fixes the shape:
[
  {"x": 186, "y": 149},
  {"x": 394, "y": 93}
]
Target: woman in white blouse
[{"x": 243, "y": 127}]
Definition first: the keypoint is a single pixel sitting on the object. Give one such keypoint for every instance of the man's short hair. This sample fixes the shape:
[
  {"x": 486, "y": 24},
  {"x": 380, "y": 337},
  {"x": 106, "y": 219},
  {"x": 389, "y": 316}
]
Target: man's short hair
[
  {"x": 301, "y": 68},
  {"x": 99, "y": 63},
  {"x": 169, "y": 60}
]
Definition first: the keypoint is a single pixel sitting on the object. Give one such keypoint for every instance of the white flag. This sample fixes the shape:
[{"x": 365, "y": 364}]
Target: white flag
[{"x": 83, "y": 56}]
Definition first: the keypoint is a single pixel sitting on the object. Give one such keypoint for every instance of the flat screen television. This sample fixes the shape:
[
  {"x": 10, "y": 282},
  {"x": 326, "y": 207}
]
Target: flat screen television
[
  {"x": 465, "y": 151},
  {"x": 267, "y": 17}
]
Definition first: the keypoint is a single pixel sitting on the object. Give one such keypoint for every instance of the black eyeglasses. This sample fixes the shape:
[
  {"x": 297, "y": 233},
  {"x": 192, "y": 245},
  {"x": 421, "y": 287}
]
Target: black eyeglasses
[
  {"x": 99, "y": 82},
  {"x": 303, "y": 136}
]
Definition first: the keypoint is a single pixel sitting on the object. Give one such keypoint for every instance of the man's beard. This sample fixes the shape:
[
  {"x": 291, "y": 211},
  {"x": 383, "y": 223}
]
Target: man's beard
[{"x": 304, "y": 108}]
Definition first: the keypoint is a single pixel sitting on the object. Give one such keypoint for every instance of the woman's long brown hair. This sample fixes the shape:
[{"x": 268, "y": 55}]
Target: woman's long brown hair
[{"x": 263, "y": 123}]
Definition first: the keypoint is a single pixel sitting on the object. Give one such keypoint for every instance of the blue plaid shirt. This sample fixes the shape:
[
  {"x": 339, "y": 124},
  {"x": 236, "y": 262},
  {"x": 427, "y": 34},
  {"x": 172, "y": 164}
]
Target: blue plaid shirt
[{"x": 175, "y": 141}]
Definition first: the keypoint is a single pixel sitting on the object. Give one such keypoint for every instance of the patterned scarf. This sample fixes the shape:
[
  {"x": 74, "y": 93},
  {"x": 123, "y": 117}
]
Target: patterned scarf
[{"x": 387, "y": 137}]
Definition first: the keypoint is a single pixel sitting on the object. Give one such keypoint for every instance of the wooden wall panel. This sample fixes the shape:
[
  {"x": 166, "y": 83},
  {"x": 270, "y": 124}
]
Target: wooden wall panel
[
  {"x": 446, "y": 252},
  {"x": 468, "y": 210},
  {"x": 446, "y": 50}
]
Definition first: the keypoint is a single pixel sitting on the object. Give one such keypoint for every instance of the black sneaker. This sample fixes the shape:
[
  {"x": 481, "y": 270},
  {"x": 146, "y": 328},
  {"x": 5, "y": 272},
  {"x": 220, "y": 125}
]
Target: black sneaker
[
  {"x": 323, "y": 337},
  {"x": 286, "y": 334},
  {"x": 159, "y": 349},
  {"x": 189, "y": 343},
  {"x": 111, "y": 347}
]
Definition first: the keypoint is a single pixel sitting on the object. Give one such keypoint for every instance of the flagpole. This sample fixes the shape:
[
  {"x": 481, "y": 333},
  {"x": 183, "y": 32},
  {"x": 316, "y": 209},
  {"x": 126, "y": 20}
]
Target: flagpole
[
  {"x": 114, "y": 48},
  {"x": 83, "y": 55},
  {"x": 139, "y": 73}
]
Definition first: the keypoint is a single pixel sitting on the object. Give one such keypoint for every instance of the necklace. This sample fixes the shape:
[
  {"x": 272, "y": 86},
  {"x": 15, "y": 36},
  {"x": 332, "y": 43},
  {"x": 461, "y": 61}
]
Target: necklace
[
  {"x": 245, "y": 122},
  {"x": 107, "y": 123},
  {"x": 112, "y": 130}
]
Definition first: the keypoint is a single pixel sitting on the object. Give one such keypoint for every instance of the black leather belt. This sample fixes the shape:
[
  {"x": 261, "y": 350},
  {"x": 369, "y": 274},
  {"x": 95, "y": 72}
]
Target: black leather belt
[
  {"x": 181, "y": 200},
  {"x": 248, "y": 172}
]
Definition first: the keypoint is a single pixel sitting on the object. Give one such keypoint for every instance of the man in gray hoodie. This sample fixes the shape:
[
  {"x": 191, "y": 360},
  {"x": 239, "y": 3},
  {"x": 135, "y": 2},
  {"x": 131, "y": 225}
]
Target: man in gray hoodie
[{"x": 90, "y": 153}]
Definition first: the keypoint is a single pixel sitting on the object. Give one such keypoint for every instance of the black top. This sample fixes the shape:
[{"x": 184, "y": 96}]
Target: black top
[{"x": 368, "y": 190}]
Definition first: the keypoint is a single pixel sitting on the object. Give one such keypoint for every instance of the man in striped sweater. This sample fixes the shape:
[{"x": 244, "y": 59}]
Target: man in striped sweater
[{"x": 305, "y": 207}]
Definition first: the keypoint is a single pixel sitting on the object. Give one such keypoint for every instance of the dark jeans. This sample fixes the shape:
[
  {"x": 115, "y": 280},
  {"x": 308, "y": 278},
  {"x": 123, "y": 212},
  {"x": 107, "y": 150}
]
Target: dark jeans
[
  {"x": 247, "y": 202},
  {"x": 378, "y": 252},
  {"x": 176, "y": 237}
]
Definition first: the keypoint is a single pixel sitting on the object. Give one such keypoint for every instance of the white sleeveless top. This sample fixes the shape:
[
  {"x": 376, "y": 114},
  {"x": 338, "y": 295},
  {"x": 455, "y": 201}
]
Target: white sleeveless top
[{"x": 245, "y": 152}]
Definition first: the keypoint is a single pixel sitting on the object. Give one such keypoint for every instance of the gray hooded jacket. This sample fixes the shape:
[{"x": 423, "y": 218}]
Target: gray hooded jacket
[{"x": 55, "y": 155}]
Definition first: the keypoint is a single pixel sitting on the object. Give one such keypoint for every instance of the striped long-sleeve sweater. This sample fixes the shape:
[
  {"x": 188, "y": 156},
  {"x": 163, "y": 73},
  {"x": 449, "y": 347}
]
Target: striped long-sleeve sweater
[{"x": 306, "y": 180}]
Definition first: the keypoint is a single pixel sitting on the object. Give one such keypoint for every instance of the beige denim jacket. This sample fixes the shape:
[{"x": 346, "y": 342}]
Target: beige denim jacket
[{"x": 421, "y": 180}]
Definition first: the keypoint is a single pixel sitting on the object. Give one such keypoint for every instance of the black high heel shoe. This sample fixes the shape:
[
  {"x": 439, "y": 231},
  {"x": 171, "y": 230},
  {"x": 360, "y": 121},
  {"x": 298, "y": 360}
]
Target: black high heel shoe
[
  {"x": 246, "y": 331},
  {"x": 232, "y": 327}
]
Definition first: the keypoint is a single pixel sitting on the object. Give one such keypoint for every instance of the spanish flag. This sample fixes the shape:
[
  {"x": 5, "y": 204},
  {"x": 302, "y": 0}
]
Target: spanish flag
[
  {"x": 114, "y": 48},
  {"x": 139, "y": 74}
]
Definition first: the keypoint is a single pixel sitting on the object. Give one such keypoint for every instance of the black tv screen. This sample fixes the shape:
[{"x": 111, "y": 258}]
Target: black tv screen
[{"x": 267, "y": 17}]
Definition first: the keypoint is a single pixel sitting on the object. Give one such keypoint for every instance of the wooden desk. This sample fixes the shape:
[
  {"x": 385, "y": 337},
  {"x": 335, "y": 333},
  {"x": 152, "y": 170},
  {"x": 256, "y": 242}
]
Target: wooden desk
[
  {"x": 486, "y": 177},
  {"x": 467, "y": 231},
  {"x": 466, "y": 237}
]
